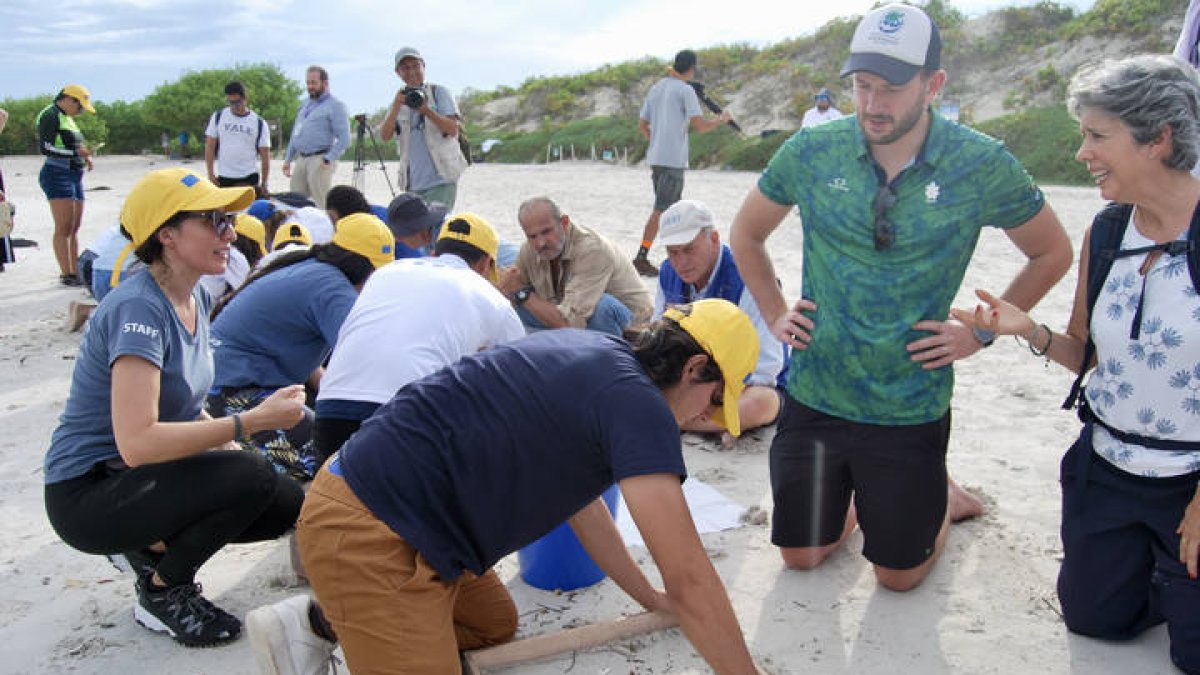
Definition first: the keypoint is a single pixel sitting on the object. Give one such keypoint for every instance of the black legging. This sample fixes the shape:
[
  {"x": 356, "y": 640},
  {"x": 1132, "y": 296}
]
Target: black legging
[{"x": 196, "y": 505}]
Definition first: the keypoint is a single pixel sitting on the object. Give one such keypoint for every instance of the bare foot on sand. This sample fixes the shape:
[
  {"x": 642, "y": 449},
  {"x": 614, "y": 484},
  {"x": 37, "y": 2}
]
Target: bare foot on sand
[{"x": 962, "y": 504}]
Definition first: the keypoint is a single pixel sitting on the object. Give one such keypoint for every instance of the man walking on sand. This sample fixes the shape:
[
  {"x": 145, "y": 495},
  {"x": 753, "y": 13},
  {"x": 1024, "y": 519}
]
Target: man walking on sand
[
  {"x": 671, "y": 108},
  {"x": 891, "y": 216},
  {"x": 319, "y": 137}
]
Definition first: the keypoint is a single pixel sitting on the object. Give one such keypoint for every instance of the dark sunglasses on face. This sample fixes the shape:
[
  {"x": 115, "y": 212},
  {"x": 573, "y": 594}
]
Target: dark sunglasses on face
[
  {"x": 221, "y": 222},
  {"x": 235, "y": 102},
  {"x": 885, "y": 230}
]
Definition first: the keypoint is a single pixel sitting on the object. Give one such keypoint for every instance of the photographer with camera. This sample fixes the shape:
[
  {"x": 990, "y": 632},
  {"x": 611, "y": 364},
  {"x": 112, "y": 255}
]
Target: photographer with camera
[{"x": 425, "y": 121}]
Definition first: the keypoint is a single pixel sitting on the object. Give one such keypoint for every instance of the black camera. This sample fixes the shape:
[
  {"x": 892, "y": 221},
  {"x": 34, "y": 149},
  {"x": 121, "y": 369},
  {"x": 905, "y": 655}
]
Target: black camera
[{"x": 414, "y": 97}]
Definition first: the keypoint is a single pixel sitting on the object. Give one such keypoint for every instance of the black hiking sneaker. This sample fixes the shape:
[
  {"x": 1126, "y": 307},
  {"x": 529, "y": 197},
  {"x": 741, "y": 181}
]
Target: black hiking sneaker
[
  {"x": 139, "y": 563},
  {"x": 181, "y": 612},
  {"x": 644, "y": 267}
]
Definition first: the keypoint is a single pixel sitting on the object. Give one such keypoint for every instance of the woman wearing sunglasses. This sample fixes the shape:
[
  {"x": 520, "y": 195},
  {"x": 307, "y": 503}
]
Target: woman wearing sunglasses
[
  {"x": 136, "y": 470},
  {"x": 279, "y": 326}
]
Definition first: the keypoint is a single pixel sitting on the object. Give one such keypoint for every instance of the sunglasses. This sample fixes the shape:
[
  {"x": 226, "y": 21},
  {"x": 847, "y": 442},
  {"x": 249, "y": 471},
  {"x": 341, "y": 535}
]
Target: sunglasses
[
  {"x": 221, "y": 222},
  {"x": 885, "y": 230},
  {"x": 235, "y": 102}
]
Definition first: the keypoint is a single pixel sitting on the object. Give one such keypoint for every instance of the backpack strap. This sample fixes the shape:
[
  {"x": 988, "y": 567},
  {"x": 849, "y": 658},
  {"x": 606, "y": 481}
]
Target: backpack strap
[{"x": 1108, "y": 228}]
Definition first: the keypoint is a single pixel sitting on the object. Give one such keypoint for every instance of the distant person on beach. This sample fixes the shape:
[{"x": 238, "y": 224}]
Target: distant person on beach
[
  {"x": 891, "y": 215},
  {"x": 6, "y": 217},
  {"x": 1130, "y": 501},
  {"x": 61, "y": 178},
  {"x": 319, "y": 137},
  {"x": 699, "y": 266},
  {"x": 136, "y": 470},
  {"x": 570, "y": 276},
  {"x": 401, "y": 529},
  {"x": 423, "y": 117},
  {"x": 237, "y": 143},
  {"x": 822, "y": 110},
  {"x": 672, "y": 107}
]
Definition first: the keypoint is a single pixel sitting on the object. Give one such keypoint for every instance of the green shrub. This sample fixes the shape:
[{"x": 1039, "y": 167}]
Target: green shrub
[{"x": 1045, "y": 140}]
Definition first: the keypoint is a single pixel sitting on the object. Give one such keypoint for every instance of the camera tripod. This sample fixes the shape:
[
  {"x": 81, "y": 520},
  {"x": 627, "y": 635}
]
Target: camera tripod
[{"x": 365, "y": 131}]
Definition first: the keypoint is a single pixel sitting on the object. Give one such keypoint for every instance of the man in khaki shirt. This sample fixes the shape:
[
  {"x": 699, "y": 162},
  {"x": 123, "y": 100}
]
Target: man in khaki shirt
[{"x": 568, "y": 276}]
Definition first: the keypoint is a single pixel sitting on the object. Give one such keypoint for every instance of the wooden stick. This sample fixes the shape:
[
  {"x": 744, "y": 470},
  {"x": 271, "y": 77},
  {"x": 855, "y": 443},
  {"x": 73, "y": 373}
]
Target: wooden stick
[{"x": 551, "y": 644}]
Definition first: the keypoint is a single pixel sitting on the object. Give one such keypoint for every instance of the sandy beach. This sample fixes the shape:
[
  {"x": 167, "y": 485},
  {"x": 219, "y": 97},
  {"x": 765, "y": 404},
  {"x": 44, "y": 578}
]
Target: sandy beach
[{"x": 988, "y": 607}]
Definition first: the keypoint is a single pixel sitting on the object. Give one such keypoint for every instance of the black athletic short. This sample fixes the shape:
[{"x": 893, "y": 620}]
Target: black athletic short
[
  {"x": 248, "y": 181},
  {"x": 668, "y": 186},
  {"x": 897, "y": 475}
]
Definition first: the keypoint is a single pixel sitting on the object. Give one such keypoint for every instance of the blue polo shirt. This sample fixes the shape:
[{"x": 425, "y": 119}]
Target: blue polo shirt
[
  {"x": 483, "y": 457},
  {"x": 280, "y": 327},
  {"x": 857, "y": 367}
]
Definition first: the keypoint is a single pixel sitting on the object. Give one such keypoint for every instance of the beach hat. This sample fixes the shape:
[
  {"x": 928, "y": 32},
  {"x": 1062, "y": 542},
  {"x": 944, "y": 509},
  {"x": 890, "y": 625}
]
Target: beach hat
[
  {"x": 407, "y": 52},
  {"x": 409, "y": 214},
  {"x": 253, "y": 229},
  {"x": 367, "y": 236},
  {"x": 894, "y": 42},
  {"x": 291, "y": 232},
  {"x": 725, "y": 332},
  {"x": 80, "y": 93},
  {"x": 163, "y": 193},
  {"x": 261, "y": 209},
  {"x": 684, "y": 220},
  {"x": 474, "y": 230}
]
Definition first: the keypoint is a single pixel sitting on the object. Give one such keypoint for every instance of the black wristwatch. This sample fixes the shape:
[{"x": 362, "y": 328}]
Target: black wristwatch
[
  {"x": 522, "y": 295},
  {"x": 984, "y": 336}
]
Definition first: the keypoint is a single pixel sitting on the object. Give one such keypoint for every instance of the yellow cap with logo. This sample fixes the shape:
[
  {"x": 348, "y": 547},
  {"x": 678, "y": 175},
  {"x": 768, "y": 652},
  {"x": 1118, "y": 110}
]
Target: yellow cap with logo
[
  {"x": 474, "y": 230},
  {"x": 367, "y": 236},
  {"x": 725, "y": 332}
]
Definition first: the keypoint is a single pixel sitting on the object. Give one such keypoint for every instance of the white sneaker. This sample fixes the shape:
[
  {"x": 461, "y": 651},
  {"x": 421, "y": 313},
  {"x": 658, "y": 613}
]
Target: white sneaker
[{"x": 284, "y": 642}]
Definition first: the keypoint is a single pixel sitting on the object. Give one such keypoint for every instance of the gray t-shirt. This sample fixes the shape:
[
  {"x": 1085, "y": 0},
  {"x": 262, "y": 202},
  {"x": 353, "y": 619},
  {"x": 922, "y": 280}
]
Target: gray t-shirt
[
  {"x": 669, "y": 108},
  {"x": 135, "y": 319},
  {"x": 422, "y": 175}
]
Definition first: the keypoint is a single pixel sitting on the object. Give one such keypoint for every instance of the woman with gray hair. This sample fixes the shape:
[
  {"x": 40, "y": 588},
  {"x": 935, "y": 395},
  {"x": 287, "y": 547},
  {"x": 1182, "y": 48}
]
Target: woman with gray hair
[{"x": 1130, "y": 504}]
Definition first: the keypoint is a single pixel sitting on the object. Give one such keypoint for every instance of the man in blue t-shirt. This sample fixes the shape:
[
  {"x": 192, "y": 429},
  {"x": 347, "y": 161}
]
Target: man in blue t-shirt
[
  {"x": 400, "y": 530},
  {"x": 892, "y": 201}
]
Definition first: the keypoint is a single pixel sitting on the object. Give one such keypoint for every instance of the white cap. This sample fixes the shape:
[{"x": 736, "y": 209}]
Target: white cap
[
  {"x": 681, "y": 222},
  {"x": 894, "y": 42}
]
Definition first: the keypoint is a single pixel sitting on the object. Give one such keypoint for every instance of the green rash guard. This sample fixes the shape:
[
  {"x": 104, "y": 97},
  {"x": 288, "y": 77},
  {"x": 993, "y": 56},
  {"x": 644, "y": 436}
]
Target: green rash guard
[{"x": 58, "y": 135}]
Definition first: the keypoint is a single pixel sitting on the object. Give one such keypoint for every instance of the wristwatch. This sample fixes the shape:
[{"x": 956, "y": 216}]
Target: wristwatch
[
  {"x": 984, "y": 336},
  {"x": 522, "y": 295}
]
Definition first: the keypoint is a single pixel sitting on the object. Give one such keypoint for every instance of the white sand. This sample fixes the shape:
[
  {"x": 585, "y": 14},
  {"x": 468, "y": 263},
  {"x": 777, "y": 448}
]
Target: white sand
[{"x": 988, "y": 607}]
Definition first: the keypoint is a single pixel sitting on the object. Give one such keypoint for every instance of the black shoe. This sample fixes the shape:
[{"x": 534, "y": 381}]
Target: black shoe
[
  {"x": 69, "y": 280},
  {"x": 644, "y": 267},
  {"x": 181, "y": 612}
]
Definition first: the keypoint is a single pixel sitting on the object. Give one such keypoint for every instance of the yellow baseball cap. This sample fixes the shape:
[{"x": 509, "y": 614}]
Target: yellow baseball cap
[
  {"x": 367, "y": 236},
  {"x": 725, "y": 332},
  {"x": 474, "y": 230},
  {"x": 291, "y": 232},
  {"x": 163, "y": 193},
  {"x": 253, "y": 229},
  {"x": 80, "y": 93}
]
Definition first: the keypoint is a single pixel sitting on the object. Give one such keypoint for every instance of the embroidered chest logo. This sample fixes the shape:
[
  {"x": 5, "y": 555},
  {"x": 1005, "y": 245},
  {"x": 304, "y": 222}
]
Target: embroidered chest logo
[
  {"x": 932, "y": 192},
  {"x": 838, "y": 184}
]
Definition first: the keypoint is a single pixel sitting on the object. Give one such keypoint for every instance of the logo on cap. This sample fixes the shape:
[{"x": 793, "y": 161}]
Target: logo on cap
[{"x": 891, "y": 22}]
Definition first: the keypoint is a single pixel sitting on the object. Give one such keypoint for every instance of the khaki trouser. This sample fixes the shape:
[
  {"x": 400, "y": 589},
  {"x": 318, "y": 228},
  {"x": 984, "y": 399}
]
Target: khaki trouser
[
  {"x": 312, "y": 177},
  {"x": 391, "y": 611}
]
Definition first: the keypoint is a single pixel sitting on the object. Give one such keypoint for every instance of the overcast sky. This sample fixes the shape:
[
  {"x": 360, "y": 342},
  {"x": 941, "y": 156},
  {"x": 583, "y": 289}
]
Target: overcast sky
[{"x": 123, "y": 49}]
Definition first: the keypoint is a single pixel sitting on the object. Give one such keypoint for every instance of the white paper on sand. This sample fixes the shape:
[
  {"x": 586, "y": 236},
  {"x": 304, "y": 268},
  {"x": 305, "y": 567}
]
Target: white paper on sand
[{"x": 711, "y": 511}]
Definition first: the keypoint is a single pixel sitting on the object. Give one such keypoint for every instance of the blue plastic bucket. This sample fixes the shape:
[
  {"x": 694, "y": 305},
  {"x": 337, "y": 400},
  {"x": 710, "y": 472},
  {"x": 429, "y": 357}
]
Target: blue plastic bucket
[{"x": 557, "y": 561}]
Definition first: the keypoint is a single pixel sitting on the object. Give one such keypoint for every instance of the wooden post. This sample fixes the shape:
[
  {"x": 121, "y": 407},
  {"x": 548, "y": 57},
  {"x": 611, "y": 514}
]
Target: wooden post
[{"x": 584, "y": 637}]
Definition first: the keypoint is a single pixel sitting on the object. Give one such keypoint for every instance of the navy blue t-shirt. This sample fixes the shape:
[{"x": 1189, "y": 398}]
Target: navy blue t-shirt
[{"x": 483, "y": 457}]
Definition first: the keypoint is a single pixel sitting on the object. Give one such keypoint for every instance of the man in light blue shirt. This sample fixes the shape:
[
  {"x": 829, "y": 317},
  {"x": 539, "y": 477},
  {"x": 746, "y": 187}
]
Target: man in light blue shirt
[
  {"x": 319, "y": 137},
  {"x": 671, "y": 108}
]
